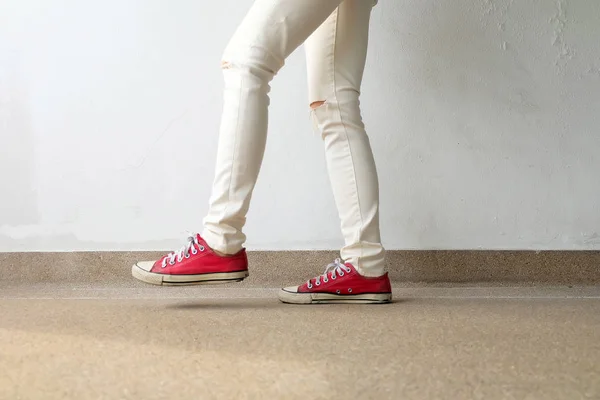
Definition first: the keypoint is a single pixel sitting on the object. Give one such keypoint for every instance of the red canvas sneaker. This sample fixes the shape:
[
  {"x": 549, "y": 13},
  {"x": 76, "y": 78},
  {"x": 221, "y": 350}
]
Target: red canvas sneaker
[
  {"x": 340, "y": 283},
  {"x": 194, "y": 264}
]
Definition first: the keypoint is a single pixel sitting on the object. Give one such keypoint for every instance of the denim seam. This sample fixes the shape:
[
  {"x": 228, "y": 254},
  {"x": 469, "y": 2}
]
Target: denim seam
[
  {"x": 235, "y": 150},
  {"x": 346, "y": 137}
]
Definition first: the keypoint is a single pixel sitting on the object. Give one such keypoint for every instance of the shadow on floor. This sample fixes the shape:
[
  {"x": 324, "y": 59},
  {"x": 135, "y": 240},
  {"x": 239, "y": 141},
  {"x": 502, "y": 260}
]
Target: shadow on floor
[{"x": 271, "y": 304}]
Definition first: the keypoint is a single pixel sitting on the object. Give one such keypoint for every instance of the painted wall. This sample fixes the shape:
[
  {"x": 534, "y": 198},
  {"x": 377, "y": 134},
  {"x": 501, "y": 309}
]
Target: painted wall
[{"x": 484, "y": 117}]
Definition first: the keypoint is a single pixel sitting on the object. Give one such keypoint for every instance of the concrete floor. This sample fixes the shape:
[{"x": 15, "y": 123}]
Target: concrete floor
[{"x": 115, "y": 342}]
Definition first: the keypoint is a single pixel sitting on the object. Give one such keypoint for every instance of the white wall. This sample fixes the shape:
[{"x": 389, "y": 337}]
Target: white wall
[{"x": 484, "y": 117}]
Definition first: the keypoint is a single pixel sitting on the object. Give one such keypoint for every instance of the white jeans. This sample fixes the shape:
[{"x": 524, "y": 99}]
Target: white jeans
[{"x": 336, "y": 36}]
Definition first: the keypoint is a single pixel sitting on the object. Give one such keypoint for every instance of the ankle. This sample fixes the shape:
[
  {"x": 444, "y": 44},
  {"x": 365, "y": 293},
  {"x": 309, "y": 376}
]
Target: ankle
[
  {"x": 370, "y": 273},
  {"x": 219, "y": 245},
  {"x": 222, "y": 254}
]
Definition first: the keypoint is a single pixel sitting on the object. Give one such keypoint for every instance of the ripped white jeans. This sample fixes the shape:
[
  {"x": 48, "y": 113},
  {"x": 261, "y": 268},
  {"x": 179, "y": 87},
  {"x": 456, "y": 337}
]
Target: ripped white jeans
[{"x": 335, "y": 33}]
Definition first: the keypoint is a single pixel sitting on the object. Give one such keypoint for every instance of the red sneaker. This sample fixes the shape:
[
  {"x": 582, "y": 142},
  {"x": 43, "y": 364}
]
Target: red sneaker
[
  {"x": 194, "y": 264},
  {"x": 340, "y": 283}
]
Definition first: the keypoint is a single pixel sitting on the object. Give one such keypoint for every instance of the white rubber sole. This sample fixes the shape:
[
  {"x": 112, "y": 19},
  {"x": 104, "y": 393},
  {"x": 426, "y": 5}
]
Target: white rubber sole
[
  {"x": 326, "y": 298},
  {"x": 184, "y": 280}
]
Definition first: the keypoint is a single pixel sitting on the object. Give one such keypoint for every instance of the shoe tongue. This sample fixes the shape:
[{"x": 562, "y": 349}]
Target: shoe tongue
[{"x": 201, "y": 241}]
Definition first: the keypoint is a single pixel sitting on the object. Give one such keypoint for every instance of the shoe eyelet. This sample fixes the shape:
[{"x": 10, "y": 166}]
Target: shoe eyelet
[
  {"x": 187, "y": 255},
  {"x": 194, "y": 251},
  {"x": 202, "y": 248},
  {"x": 338, "y": 291},
  {"x": 325, "y": 280},
  {"x": 341, "y": 273},
  {"x": 318, "y": 283},
  {"x": 171, "y": 262},
  {"x": 333, "y": 277},
  {"x": 348, "y": 270},
  {"x": 179, "y": 259},
  {"x": 310, "y": 286},
  {"x": 349, "y": 290}
]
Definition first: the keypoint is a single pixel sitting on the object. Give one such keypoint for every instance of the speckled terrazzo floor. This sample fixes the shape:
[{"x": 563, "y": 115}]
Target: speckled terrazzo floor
[{"x": 80, "y": 341}]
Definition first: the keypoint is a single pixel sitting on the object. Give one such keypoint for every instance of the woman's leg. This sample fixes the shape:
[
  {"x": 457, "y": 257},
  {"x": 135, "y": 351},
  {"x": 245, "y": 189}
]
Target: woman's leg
[
  {"x": 268, "y": 34},
  {"x": 335, "y": 55}
]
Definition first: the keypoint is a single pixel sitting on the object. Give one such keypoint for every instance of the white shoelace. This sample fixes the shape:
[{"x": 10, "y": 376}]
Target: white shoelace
[
  {"x": 192, "y": 246},
  {"x": 337, "y": 268}
]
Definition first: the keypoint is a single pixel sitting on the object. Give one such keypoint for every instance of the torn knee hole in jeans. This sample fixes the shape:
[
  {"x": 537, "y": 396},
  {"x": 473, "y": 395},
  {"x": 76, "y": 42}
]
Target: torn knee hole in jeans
[
  {"x": 316, "y": 104},
  {"x": 316, "y": 115}
]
